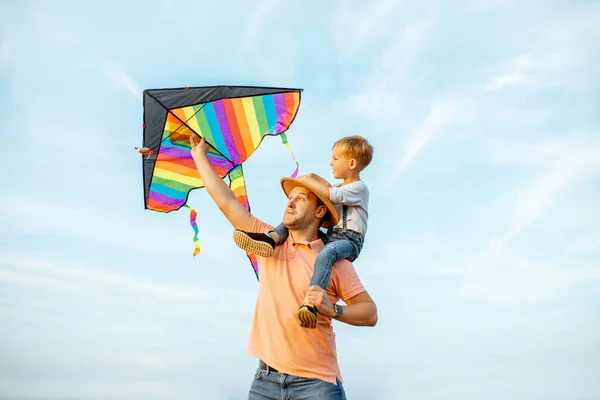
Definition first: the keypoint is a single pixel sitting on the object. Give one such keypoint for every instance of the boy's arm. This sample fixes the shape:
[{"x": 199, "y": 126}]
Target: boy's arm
[
  {"x": 354, "y": 194},
  {"x": 222, "y": 195},
  {"x": 322, "y": 187}
]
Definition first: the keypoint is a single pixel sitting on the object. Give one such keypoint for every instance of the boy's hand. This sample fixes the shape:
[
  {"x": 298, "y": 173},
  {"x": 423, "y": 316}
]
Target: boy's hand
[
  {"x": 318, "y": 297},
  {"x": 199, "y": 147}
]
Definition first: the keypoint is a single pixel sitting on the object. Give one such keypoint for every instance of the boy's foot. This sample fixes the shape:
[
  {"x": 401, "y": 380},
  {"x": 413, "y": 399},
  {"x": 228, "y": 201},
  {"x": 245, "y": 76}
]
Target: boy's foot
[
  {"x": 307, "y": 314},
  {"x": 260, "y": 244}
]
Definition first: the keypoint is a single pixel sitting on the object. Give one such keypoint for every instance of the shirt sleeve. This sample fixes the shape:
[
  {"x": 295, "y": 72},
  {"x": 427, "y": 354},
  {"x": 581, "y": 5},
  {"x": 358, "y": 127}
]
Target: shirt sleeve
[
  {"x": 346, "y": 282},
  {"x": 258, "y": 226},
  {"x": 354, "y": 194}
]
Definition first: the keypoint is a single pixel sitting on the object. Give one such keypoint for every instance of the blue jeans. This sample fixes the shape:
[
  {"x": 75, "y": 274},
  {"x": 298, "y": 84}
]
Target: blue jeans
[
  {"x": 340, "y": 245},
  {"x": 272, "y": 385}
]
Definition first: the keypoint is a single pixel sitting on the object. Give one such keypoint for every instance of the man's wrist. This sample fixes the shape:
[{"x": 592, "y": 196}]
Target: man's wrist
[{"x": 338, "y": 311}]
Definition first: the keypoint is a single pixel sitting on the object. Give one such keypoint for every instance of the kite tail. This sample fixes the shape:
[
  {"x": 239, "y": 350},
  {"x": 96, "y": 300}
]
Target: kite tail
[
  {"x": 193, "y": 216},
  {"x": 285, "y": 141}
]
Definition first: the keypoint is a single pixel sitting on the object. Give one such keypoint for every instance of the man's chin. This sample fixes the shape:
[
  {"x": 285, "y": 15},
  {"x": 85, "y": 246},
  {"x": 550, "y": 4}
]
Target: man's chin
[{"x": 289, "y": 220}]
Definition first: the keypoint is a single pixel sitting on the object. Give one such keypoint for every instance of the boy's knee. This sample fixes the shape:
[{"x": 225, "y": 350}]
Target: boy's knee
[{"x": 329, "y": 250}]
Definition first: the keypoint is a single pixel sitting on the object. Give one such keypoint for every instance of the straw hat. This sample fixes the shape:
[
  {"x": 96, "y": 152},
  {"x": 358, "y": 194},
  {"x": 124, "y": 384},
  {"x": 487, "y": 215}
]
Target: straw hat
[{"x": 310, "y": 182}]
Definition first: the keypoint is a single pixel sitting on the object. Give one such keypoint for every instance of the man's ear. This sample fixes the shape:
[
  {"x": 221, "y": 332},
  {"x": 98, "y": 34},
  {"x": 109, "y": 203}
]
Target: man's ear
[
  {"x": 352, "y": 163},
  {"x": 321, "y": 211}
]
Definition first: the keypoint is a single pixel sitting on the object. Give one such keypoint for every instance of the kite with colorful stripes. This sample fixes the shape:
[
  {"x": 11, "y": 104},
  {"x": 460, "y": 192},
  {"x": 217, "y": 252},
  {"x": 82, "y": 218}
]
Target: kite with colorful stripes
[{"x": 233, "y": 120}]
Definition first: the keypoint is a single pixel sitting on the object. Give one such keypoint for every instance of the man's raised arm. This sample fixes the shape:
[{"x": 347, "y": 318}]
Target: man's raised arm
[{"x": 222, "y": 195}]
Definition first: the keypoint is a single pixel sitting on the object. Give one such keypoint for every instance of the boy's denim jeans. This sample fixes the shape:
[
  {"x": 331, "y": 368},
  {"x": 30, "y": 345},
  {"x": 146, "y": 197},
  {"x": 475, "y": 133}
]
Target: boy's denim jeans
[
  {"x": 339, "y": 245},
  {"x": 271, "y": 385}
]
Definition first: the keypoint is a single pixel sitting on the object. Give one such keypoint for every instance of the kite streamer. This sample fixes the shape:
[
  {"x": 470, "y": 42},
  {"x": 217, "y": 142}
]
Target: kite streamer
[
  {"x": 193, "y": 216},
  {"x": 285, "y": 141}
]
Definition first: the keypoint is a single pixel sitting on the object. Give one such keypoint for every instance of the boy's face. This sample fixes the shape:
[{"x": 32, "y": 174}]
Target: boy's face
[{"x": 341, "y": 165}]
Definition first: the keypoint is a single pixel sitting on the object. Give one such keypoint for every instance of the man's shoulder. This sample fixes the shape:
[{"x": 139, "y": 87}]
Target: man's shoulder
[
  {"x": 344, "y": 267},
  {"x": 345, "y": 282}
]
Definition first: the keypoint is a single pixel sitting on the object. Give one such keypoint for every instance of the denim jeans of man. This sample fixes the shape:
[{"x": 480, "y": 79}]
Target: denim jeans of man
[{"x": 271, "y": 385}]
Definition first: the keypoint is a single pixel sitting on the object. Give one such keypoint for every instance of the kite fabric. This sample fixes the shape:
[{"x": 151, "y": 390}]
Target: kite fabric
[{"x": 232, "y": 119}]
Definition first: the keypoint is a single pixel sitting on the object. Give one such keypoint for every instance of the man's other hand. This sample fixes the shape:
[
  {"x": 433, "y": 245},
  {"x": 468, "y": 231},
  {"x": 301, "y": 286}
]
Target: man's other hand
[{"x": 318, "y": 297}]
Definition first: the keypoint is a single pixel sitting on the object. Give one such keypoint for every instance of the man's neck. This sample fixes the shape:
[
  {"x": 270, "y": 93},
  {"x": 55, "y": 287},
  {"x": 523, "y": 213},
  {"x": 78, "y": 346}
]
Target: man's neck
[{"x": 304, "y": 235}]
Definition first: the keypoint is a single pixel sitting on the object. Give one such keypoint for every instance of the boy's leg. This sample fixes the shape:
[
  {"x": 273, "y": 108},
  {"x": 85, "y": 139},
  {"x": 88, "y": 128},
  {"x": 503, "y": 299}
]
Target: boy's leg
[
  {"x": 261, "y": 244},
  {"x": 281, "y": 233},
  {"x": 332, "y": 252}
]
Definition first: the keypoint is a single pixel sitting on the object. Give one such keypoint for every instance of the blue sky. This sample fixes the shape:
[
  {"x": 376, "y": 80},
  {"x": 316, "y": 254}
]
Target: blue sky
[{"x": 483, "y": 251}]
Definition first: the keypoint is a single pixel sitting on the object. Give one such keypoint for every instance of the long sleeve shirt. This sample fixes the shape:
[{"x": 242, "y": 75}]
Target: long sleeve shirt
[{"x": 356, "y": 196}]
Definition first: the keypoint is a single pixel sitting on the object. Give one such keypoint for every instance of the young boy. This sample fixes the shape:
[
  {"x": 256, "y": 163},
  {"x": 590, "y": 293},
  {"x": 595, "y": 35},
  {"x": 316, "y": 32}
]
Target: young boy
[{"x": 350, "y": 155}]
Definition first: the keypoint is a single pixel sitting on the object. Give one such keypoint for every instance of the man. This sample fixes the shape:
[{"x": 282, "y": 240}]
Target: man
[{"x": 294, "y": 362}]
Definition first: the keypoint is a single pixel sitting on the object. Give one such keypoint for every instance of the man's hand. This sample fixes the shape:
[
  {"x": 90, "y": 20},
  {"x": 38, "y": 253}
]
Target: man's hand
[
  {"x": 199, "y": 147},
  {"x": 318, "y": 297},
  {"x": 359, "y": 311}
]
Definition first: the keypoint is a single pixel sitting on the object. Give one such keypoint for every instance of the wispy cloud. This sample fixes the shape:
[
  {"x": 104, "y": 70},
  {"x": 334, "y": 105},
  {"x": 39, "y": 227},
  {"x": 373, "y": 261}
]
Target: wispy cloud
[
  {"x": 517, "y": 73},
  {"x": 557, "y": 57},
  {"x": 30, "y": 272},
  {"x": 54, "y": 30},
  {"x": 119, "y": 76},
  {"x": 353, "y": 28},
  {"x": 439, "y": 117},
  {"x": 67, "y": 220},
  {"x": 165, "y": 362},
  {"x": 504, "y": 277},
  {"x": 400, "y": 55},
  {"x": 567, "y": 162},
  {"x": 379, "y": 95},
  {"x": 255, "y": 22},
  {"x": 5, "y": 51}
]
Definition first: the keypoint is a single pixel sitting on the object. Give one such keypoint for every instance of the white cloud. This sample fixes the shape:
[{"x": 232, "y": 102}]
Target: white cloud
[
  {"x": 30, "y": 272},
  {"x": 439, "y": 117},
  {"x": 54, "y": 30},
  {"x": 561, "y": 51},
  {"x": 256, "y": 21},
  {"x": 407, "y": 45},
  {"x": 525, "y": 70},
  {"x": 119, "y": 76},
  {"x": 5, "y": 51},
  {"x": 165, "y": 362},
  {"x": 380, "y": 103},
  {"x": 502, "y": 277},
  {"x": 353, "y": 28},
  {"x": 566, "y": 162},
  {"x": 513, "y": 78},
  {"x": 26, "y": 280},
  {"x": 32, "y": 217}
]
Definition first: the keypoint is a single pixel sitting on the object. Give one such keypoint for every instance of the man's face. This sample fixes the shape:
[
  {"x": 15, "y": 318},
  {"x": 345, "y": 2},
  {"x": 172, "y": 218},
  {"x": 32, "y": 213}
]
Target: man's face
[{"x": 302, "y": 209}]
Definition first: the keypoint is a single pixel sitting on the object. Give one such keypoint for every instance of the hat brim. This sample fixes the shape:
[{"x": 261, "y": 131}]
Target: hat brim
[{"x": 287, "y": 184}]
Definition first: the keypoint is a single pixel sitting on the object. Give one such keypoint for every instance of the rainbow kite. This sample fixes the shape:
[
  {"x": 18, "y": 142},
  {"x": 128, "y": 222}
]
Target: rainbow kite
[{"x": 233, "y": 120}]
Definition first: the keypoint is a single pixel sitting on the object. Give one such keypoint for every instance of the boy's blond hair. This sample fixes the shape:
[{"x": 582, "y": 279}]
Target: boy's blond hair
[{"x": 356, "y": 147}]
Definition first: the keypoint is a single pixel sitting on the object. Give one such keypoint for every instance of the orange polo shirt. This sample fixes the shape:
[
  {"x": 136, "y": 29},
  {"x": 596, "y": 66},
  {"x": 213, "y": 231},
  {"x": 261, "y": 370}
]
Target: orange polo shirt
[{"x": 276, "y": 337}]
